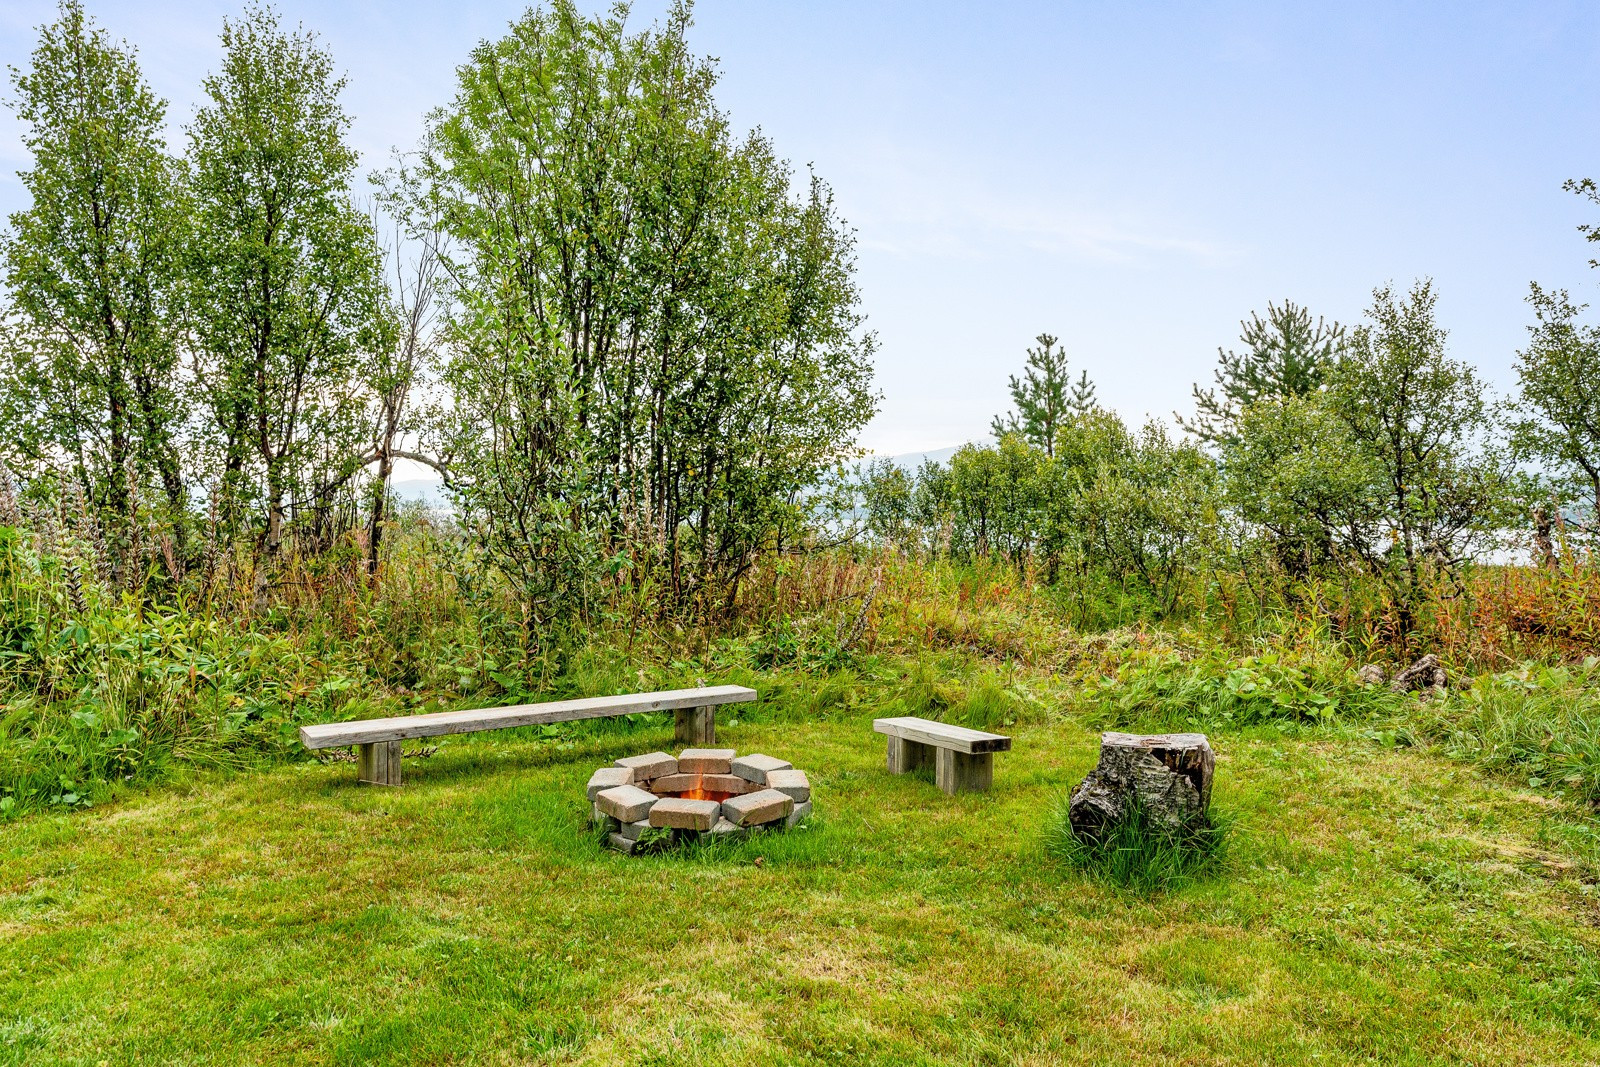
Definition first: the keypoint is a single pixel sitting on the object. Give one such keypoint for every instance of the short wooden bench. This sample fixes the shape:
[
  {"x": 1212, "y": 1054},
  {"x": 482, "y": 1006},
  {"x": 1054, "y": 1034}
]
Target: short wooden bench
[
  {"x": 963, "y": 759},
  {"x": 379, "y": 739}
]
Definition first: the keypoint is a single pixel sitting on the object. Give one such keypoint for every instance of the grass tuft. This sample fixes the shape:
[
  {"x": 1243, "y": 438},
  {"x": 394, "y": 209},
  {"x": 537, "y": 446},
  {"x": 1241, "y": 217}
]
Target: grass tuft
[{"x": 1139, "y": 855}]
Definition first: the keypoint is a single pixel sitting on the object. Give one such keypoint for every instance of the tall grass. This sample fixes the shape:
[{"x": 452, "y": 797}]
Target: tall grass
[
  {"x": 1538, "y": 723},
  {"x": 1139, "y": 854},
  {"x": 110, "y": 673}
]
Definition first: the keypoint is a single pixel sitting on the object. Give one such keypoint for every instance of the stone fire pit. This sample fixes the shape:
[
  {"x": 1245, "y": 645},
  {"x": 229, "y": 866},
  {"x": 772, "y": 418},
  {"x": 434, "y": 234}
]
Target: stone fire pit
[{"x": 704, "y": 793}]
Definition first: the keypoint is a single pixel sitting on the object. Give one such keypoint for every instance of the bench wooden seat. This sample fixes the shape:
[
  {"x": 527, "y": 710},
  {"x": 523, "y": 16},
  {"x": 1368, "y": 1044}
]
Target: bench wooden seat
[
  {"x": 963, "y": 759},
  {"x": 379, "y": 739}
]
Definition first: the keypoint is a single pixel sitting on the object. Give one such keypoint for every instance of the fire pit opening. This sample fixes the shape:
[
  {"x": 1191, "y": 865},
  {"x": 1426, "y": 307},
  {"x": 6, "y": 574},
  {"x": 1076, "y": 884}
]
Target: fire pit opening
[{"x": 702, "y": 793}]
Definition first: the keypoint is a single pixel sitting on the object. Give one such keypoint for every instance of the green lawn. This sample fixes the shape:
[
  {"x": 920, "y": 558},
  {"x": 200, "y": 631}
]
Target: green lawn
[{"x": 1378, "y": 906}]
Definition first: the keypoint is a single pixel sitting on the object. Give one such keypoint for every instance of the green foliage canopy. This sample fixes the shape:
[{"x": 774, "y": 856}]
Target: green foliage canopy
[
  {"x": 1285, "y": 355},
  {"x": 285, "y": 276},
  {"x": 655, "y": 343},
  {"x": 91, "y": 271},
  {"x": 1558, "y": 424},
  {"x": 1392, "y": 466}
]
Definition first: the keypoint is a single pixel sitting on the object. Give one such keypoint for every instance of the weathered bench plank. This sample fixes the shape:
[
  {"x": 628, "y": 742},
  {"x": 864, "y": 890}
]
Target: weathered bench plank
[
  {"x": 695, "y": 723},
  {"x": 437, "y": 723},
  {"x": 942, "y": 735},
  {"x": 963, "y": 759}
]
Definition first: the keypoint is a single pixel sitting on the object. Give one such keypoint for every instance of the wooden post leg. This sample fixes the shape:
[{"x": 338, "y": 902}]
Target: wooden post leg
[
  {"x": 907, "y": 755},
  {"x": 958, "y": 772},
  {"x": 695, "y": 727},
  {"x": 379, "y": 763}
]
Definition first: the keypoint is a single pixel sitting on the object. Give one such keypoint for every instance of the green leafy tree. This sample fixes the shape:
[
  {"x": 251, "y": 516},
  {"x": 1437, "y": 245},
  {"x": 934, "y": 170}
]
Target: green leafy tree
[
  {"x": 1395, "y": 468},
  {"x": 654, "y": 343},
  {"x": 1285, "y": 355},
  {"x": 1091, "y": 446},
  {"x": 285, "y": 276},
  {"x": 1559, "y": 404},
  {"x": 1133, "y": 511},
  {"x": 883, "y": 493},
  {"x": 1153, "y": 514},
  {"x": 90, "y": 268},
  {"x": 1589, "y": 189},
  {"x": 1423, "y": 418},
  {"x": 1293, "y": 469},
  {"x": 1045, "y": 396}
]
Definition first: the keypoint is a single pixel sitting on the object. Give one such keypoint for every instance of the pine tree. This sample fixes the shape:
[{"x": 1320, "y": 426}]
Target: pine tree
[
  {"x": 1285, "y": 356},
  {"x": 1045, "y": 396}
]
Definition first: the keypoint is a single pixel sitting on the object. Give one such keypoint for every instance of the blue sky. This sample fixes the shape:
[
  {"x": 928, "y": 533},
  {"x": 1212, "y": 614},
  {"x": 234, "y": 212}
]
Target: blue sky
[{"x": 1134, "y": 178}]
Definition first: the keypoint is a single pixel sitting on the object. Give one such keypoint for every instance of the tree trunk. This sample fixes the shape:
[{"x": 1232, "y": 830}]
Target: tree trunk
[{"x": 1543, "y": 524}]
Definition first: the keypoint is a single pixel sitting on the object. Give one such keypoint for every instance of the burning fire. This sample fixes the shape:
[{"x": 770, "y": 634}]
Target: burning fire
[{"x": 698, "y": 793}]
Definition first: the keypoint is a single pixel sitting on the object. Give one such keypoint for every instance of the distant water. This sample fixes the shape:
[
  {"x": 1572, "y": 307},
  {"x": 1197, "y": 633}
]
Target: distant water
[{"x": 428, "y": 490}]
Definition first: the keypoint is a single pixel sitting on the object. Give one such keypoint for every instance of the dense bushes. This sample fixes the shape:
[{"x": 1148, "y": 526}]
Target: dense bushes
[{"x": 625, "y": 335}]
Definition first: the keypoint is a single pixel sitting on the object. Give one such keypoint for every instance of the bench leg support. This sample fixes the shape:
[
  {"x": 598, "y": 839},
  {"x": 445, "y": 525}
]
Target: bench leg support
[
  {"x": 695, "y": 727},
  {"x": 908, "y": 755},
  {"x": 958, "y": 772},
  {"x": 379, "y": 763}
]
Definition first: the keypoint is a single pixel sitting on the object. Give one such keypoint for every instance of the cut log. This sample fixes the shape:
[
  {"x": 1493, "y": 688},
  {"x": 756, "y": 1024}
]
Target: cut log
[{"x": 1167, "y": 777}]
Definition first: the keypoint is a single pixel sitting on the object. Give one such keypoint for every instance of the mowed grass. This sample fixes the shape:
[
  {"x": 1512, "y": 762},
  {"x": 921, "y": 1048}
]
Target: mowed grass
[{"x": 1376, "y": 905}]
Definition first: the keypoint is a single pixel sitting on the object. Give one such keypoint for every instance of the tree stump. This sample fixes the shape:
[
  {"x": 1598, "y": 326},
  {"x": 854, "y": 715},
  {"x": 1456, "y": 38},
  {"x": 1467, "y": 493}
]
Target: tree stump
[{"x": 1166, "y": 776}]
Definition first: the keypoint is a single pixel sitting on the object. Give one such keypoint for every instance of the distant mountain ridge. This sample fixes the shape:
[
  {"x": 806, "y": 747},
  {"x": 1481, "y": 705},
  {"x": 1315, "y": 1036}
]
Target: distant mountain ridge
[{"x": 911, "y": 461}]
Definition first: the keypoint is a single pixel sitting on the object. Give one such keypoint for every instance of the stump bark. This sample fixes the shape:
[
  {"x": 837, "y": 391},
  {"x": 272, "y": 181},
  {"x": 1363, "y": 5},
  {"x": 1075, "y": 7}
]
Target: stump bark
[{"x": 1167, "y": 777}]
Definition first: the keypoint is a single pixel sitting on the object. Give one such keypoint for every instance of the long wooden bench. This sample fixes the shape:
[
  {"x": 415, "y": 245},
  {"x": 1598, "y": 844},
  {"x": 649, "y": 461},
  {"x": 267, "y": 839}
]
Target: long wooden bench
[
  {"x": 963, "y": 759},
  {"x": 379, "y": 739}
]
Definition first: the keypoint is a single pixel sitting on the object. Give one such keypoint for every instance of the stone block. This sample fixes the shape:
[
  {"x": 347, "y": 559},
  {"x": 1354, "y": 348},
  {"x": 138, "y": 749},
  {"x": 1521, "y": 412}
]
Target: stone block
[
  {"x": 752, "y": 809},
  {"x": 606, "y": 777},
  {"x": 620, "y": 843},
  {"x": 755, "y": 767},
  {"x": 727, "y": 783},
  {"x": 723, "y": 831},
  {"x": 705, "y": 760},
  {"x": 685, "y": 814},
  {"x": 650, "y": 765},
  {"x": 800, "y": 811},
  {"x": 625, "y": 803},
  {"x": 673, "y": 783},
  {"x": 632, "y": 830},
  {"x": 791, "y": 782},
  {"x": 600, "y": 818}
]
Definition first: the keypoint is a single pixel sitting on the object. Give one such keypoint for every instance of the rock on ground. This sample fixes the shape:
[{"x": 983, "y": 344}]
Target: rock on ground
[{"x": 1424, "y": 676}]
